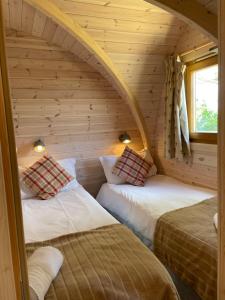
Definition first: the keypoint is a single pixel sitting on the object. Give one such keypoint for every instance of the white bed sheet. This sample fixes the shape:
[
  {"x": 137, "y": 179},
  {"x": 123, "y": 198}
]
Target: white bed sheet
[
  {"x": 68, "y": 212},
  {"x": 140, "y": 207}
]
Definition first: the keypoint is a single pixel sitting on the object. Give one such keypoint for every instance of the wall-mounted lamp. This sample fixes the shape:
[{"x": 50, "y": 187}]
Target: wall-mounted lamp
[
  {"x": 39, "y": 146},
  {"x": 125, "y": 138}
]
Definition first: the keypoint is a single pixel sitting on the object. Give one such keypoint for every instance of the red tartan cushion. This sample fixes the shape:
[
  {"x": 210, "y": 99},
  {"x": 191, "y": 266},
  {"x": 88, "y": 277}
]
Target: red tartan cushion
[
  {"x": 46, "y": 177},
  {"x": 132, "y": 167}
]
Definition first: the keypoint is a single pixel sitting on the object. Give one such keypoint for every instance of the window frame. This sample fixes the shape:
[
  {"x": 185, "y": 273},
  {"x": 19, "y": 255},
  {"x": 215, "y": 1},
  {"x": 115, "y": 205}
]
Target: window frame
[{"x": 198, "y": 137}]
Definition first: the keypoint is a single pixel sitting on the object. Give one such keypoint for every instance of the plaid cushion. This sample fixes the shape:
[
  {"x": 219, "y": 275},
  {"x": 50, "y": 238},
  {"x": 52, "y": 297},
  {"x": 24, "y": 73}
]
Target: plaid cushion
[
  {"x": 132, "y": 167},
  {"x": 46, "y": 177}
]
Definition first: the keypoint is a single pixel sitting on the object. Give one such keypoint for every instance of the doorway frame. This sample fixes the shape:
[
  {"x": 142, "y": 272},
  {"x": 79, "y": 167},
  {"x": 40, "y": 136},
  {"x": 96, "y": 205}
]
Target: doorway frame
[
  {"x": 11, "y": 199},
  {"x": 10, "y": 170}
]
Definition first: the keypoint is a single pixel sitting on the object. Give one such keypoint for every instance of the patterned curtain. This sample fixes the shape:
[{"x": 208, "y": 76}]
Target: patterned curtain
[{"x": 177, "y": 143}]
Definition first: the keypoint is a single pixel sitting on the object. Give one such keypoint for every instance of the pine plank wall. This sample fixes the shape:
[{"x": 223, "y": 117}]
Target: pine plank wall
[
  {"x": 66, "y": 102},
  {"x": 203, "y": 169}
]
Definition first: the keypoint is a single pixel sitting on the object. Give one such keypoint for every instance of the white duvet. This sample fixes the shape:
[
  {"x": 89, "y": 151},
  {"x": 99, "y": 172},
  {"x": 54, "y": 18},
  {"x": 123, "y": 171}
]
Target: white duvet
[
  {"x": 68, "y": 212},
  {"x": 140, "y": 207}
]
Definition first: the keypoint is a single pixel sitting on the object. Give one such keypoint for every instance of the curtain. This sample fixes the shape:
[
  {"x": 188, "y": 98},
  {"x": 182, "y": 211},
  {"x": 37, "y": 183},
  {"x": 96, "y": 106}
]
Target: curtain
[{"x": 177, "y": 144}]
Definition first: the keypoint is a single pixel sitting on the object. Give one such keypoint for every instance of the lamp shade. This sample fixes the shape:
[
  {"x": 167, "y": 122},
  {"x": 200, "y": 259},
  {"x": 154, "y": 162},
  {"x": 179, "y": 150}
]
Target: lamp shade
[
  {"x": 125, "y": 138},
  {"x": 39, "y": 146}
]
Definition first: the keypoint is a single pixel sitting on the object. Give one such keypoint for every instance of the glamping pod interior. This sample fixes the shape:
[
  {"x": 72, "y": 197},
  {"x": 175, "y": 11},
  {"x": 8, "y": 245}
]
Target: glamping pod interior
[{"x": 109, "y": 132}]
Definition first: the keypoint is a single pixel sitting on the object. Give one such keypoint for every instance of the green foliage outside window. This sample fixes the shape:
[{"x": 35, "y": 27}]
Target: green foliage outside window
[{"x": 206, "y": 120}]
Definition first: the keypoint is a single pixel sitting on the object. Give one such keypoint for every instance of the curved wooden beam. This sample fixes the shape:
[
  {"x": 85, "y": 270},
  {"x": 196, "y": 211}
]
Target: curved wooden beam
[
  {"x": 192, "y": 13},
  {"x": 74, "y": 29}
]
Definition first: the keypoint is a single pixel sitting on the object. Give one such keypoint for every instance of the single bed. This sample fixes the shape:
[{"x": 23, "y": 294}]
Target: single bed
[
  {"x": 68, "y": 212},
  {"x": 186, "y": 242},
  {"x": 176, "y": 220},
  {"x": 102, "y": 258},
  {"x": 141, "y": 207}
]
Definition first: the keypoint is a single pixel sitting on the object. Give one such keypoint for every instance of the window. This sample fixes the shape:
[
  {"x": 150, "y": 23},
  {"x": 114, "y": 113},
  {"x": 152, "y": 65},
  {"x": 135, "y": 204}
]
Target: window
[{"x": 202, "y": 100}]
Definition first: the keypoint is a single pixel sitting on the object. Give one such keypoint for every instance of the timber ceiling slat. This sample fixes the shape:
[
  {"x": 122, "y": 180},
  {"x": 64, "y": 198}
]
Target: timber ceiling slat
[
  {"x": 61, "y": 27},
  {"x": 134, "y": 35},
  {"x": 193, "y": 12}
]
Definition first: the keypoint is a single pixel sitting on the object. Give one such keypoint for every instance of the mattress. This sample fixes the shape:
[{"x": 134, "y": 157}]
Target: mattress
[
  {"x": 141, "y": 207},
  {"x": 68, "y": 212}
]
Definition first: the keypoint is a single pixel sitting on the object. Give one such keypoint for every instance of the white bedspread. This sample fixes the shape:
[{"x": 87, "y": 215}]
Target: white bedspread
[
  {"x": 69, "y": 212},
  {"x": 140, "y": 207}
]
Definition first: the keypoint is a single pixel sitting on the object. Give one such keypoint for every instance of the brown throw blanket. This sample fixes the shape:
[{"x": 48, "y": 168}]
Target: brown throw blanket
[
  {"x": 107, "y": 263},
  {"x": 186, "y": 242}
]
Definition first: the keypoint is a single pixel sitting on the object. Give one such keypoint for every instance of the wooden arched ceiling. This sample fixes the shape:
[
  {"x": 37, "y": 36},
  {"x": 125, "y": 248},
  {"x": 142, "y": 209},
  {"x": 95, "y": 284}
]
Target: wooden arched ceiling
[
  {"x": 42, "y": 18},
  {"x": 210, "y": 5},
  {"x": 200, "y": 13},
  {"x": 135, "y": 35}
]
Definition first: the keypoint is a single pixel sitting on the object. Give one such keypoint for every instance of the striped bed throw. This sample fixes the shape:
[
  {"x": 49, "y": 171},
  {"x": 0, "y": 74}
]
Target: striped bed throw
[
  {"x": 186, "y": 242},
  {"x": 107, "y": 263}
]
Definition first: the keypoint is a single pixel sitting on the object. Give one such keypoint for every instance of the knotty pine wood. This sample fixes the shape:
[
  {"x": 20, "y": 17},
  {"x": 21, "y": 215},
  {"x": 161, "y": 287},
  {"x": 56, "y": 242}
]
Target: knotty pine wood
[
  {"x": 13, "y": 260},
  {"x": 137, "y": 42},
  {"x": 221, "y": 161},
  {"x": 211, "y": 5},
  {"x": 159, "y": 35},
  {"x": 64, "y": 101},
  {"x": 7, "y": 284},
  {"x": 193, "y": 13},
  {"x": 44, "y": 19},
  {"x": 114, "y": 30},
  {"x": 203, "y": 168},
  {"x": 191, "y": 40},
  {"x": 140, "y": 68}
]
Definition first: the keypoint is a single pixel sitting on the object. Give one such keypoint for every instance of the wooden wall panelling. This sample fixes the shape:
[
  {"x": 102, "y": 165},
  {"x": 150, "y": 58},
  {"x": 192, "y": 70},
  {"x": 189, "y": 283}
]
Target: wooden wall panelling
[
  {"x": 131, "y": 32},
  {"x": 143, "y": 69},
  {"x": 115, "y": 47},
  {"x": 203, "y": 168},
  {"x": 192, "y": 39},
  {"x": 201, "y": 51},
  {"x": 194, "y": 13},
  {"x": 15, "y": 14},
  {"x": 81, "y": 44},
  {"x": 221, "y": 157},
  {"x": 137, "y": 36},
  {"x": 138, "y": 5},
  {"x": 28, "y": 15},
  {"x": 137, "y": 41},
  {"x": 58, "y": 97},
  {"x": 14, "y": 279},
  {"x": 5, "y": 7},
  {"x": 127, "y": 13},
  {"x": 210, "y": 5},
  {"x": 89, "y": 49},
  {"x": 7, "y": 283},
  {"x": 38, "y": 24},
  {"x": 127, "y": 37}
]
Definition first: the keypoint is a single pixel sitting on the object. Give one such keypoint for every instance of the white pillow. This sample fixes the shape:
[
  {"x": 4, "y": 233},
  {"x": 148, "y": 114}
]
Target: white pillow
[
  {"x": 69, "y": 164},
  {"x": 147, "y": 155},
  {"x": 108, "y": 162}
]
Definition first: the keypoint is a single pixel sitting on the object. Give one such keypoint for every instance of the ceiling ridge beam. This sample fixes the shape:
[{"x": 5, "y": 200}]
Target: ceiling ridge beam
[
  {"x": 192, "y": 13},
  {"x": 109, "y": 69}
]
